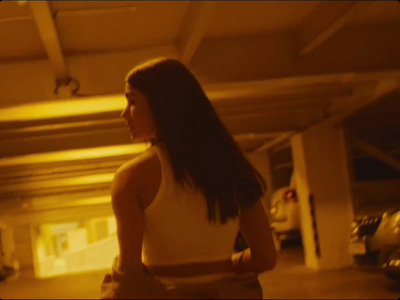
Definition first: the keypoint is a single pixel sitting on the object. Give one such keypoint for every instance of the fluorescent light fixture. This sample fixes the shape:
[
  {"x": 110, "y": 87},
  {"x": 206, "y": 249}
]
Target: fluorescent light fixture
[
  {"x": 70, "y": 155},
  {"x": 62, "y": 108},
  {"x": 106, "y": 199},
  {"x": 59, "y": 182}
]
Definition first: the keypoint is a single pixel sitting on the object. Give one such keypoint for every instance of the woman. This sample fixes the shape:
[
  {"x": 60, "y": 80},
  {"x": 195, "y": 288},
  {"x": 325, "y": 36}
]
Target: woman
[{"x": 180, "y": 204}]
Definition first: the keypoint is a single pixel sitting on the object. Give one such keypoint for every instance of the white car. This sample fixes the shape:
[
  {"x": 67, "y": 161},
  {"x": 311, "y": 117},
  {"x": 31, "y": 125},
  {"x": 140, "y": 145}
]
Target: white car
[{"x": 285, "y": 214}]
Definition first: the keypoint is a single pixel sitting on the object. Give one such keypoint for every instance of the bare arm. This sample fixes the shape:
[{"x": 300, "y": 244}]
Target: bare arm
[
  {"x": 129, "y": 216},
  {"x": 255, "y": 228},
  {"x": 128, "y": 190}
]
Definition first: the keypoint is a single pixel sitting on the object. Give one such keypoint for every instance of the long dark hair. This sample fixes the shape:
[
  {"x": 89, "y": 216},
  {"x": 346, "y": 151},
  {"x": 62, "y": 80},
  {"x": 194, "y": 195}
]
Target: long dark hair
[{"x": 200, "y": 148}]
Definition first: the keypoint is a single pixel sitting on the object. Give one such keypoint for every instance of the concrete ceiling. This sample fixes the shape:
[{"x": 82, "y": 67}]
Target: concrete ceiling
[{"x": 271, "y": 68}]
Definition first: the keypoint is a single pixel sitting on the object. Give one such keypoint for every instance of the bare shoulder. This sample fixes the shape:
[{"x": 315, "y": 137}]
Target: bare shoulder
[
  {"x": 138, "y": 164},
  {"x": 138, "y": 177}
]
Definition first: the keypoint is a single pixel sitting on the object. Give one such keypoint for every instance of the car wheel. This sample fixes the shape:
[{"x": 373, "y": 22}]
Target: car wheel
[
  {"x": 391, "y": 268},
  {"x": 368, "y": 260},
  {"x": 393, "y": 276}
]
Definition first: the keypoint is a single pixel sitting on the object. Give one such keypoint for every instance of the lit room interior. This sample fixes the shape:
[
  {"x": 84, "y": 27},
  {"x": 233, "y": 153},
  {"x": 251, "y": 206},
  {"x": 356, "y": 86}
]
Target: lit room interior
[{"x": 309, "y": 90}]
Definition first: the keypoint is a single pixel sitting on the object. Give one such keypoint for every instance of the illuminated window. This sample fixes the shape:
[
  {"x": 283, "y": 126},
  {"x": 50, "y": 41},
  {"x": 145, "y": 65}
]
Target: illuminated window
[{"x": 74, "y": 247}]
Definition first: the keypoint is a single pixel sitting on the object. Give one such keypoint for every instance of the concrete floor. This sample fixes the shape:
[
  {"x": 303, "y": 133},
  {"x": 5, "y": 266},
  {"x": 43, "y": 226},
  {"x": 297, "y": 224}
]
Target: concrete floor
[
  {"x": 289, "y": 280},
  {"x": 292, "y": 280}
]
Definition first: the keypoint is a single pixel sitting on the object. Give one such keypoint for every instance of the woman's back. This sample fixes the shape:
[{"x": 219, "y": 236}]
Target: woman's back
[
  {"x": 177, "y": 230},
  {"x": 162, "y": 222}
]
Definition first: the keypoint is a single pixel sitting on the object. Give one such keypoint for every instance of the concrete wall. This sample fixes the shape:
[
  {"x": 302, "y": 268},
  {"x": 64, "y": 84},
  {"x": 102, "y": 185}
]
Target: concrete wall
[
  {"x": 23, "y": 246},
  {"x": 25, "y": 227},
  {"x": 98, "y": 255}
]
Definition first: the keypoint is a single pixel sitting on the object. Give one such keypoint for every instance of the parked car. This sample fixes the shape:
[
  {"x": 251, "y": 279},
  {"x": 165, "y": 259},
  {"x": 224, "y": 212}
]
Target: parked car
[
  {"x": 391, "y": 268},
  {"x": 9, "y": 265},
  {"x": 375, "y": 241},
  {"x": 285, "y": 215}
]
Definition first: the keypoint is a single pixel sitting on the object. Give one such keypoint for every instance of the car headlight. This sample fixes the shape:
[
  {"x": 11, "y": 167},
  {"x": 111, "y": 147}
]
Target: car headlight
[
  {"x": 396, "y": 222},
  {"x": 397, "y": 219},
  {"x": 354, "y": 231},
  {"x": 354, "y": 227},
  {"x": 273, "y": 210}
]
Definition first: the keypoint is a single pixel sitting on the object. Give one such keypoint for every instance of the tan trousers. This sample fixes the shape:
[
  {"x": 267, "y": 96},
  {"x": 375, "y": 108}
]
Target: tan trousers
[
  {"x": 238, "y": 287},
  {"x": 141, "y": 285}
]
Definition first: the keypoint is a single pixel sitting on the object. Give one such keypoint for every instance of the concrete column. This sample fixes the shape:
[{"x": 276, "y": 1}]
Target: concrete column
[
  {"x": 323, "y": 186},
  {"x": 260, "y": 161},
  {"x": 24, "y": 251}
]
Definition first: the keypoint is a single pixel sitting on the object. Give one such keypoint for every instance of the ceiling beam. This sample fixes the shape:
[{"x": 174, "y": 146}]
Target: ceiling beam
[
  {"x": 294, "y": 113},
  {"x": 276, "y": 91},
  {"x": 194, "y": 26},
  {"x": 312, "y": 84},
  {"x": 284, "y": 106},
  {"x": 47, "y": 30},
  {"x": 257, "y": 136},
  {"x": 380, "y": 91},
  {"x": 282, "y": 138},
  {"x": 377, "y": 153},
  {"x": 96, "y": 11},
  {"x": 15, "y": 19},
  {"x": 325, "y": 20}
]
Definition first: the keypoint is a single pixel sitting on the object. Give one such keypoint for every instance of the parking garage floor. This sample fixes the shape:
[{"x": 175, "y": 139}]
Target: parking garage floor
[{"x": 289, "y": 280}]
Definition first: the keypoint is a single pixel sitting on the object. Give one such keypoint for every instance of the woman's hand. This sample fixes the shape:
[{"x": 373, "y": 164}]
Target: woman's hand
[{"x": 261, "y": 254}]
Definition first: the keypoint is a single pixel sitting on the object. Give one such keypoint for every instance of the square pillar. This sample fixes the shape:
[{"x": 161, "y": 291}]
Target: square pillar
[
  {"x": 323, "y": 185},
  {"x": 261, "y": 162}
]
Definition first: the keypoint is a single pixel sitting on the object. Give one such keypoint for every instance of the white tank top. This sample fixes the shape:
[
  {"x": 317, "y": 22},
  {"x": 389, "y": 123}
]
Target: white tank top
[{"x": 177, "y": 230}]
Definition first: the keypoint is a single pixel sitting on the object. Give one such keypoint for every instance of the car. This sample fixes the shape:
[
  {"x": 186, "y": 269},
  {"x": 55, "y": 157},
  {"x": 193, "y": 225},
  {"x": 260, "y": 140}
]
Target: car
[
  {"x": 9, "y": 265},
  {"x": 391, "y": 267},
  {"x": 375, "y": 242},
  {"x": 285, "y": 216}
]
